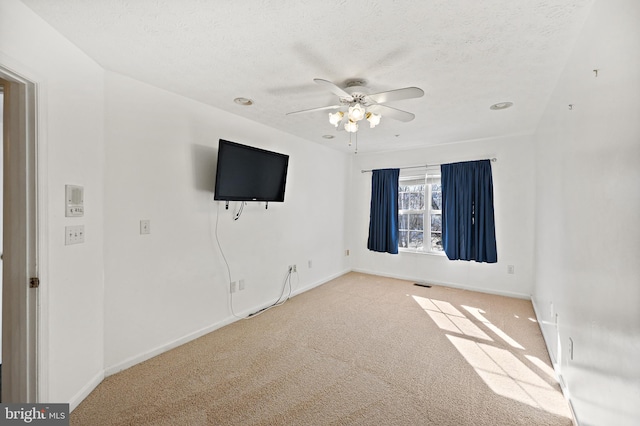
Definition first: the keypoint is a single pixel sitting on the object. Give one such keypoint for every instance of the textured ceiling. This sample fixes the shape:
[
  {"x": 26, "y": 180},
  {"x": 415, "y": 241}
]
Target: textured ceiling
[{"x": 466, "y": 55}]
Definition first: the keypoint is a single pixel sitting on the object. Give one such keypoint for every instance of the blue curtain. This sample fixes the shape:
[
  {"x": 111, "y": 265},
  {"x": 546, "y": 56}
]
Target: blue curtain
[
  {"x": 383, "y": 219},
  {"x": 468, "y": 224}
]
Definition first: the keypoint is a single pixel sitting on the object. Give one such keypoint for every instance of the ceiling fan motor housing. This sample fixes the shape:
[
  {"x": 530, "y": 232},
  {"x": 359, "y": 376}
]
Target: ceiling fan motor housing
[{"x": 356, "y": 97}]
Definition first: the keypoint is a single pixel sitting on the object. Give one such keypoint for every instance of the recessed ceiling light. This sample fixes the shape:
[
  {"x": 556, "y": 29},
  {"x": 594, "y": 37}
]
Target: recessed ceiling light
[
  {"x": 328, "y": 136},
  {"x": 501, "y": 105},
  {"x": 243, "y": 101}
]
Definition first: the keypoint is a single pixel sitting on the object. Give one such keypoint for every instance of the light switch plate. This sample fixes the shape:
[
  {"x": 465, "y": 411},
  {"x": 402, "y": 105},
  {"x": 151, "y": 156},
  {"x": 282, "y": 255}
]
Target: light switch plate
[
  {"x": 145, "y": 227},
  {"x": 74, "y": 234}
]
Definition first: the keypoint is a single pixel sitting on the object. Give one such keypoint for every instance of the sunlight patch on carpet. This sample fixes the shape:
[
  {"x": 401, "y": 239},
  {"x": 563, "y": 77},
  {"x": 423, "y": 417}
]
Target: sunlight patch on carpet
[
  {"x": 477, "y": 314},
  {"x": 543, "y": 366},
  {"x": 511, "y": 374},
  {"x": 448, "y": 318},
  {"x": 507, "y": 376}
]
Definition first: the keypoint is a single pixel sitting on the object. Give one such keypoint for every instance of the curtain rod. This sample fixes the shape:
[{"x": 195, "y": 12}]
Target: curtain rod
[{"x": 493, "y": 160}]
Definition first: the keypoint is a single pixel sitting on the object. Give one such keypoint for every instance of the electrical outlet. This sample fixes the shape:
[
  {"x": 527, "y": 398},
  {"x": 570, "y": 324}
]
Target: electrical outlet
[
  {"x": 510, "y": 269},
  {"x": 241, "y": 285},
  {"x": 295, "y": 268},
  {"x": 232, "y": 287}
]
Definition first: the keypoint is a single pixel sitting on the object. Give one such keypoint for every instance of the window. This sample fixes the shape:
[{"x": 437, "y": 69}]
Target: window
[{"x": 419, "y": 220}]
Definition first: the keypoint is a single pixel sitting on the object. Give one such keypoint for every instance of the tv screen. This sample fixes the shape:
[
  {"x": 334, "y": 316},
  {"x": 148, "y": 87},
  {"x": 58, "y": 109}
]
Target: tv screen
[{"x": 246, "y": 173}]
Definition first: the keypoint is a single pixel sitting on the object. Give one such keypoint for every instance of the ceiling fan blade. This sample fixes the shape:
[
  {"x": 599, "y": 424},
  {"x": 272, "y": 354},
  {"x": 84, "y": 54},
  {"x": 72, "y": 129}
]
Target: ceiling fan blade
[
  {"x": 396, "y": 114},
  {"x": 314, "y": 109},
  {"x": 396, "y": 95},
  {"x": 332, "y": 88}
]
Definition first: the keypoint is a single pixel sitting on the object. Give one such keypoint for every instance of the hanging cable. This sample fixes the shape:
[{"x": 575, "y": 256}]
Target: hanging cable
[
  {"x": 287, "y": 280},
  {"x": 280, "y": 301},
  {"x": 239, "y": 212},
  {"x": 226, "y": 263}
]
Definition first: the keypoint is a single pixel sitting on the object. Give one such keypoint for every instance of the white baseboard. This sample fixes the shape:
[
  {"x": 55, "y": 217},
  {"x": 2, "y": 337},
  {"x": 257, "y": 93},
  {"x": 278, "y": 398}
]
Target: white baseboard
[
  {"x": 554, "y": 363},
  {"x": 130, "y": 362},
  {"x": 319, "y": 283},
  {"x": 448, "y": 284},
  {"x": 545, "y": 336},
  {"x": 244, "y": 314},
  {"x": 86, "y": 390}
]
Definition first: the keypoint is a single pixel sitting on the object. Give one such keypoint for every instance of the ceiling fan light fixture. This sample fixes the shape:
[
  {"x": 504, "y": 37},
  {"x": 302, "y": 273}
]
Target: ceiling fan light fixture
[
  {"x": 374, "y": 119},
  {"x": 356, "y": 112},
  {"x": 336, "y": 117},
  {"x": 355, "y": 102},
  {"x": 351, "y": 126}
]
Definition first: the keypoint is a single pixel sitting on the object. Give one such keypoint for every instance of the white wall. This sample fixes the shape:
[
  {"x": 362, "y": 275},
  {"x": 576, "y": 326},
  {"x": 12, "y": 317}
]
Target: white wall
[
  {"x": 588, "y": 215},
  {"x": 172, "y": 285},
  {"x": 513, "y": 205},
  {"x": 70, "y": 143}
]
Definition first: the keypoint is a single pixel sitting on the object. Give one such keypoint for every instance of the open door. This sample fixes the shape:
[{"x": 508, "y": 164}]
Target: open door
[{"x": 19, "y": 252}]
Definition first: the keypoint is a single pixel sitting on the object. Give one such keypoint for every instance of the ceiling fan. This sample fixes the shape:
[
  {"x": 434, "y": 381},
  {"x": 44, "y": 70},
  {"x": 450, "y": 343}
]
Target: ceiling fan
[{"x": 355, "y": 104}]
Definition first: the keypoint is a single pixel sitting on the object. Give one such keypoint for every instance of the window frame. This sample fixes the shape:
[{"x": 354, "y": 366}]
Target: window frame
[{"x": 427, "y": 213}]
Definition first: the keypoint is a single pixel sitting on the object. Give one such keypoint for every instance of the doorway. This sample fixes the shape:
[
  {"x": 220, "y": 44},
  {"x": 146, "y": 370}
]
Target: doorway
[
  {"x": 1, "y": 221},
  {"x": 20, "y": 281}
]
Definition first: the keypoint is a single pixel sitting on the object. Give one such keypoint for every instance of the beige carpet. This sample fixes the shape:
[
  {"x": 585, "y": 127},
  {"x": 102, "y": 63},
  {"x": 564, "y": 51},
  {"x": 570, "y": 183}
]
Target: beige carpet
[{"x": 359, "y": 350}]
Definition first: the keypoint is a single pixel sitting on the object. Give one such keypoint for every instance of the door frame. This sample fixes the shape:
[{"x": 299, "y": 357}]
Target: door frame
[{"x": 22, "y": 304}]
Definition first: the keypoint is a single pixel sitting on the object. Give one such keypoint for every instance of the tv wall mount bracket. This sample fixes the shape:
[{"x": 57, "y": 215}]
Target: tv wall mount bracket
[{"x": 226, "y": 205}]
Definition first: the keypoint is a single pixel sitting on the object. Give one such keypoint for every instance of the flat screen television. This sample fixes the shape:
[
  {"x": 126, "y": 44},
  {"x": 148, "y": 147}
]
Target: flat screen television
[{"x": 246, "y": 173}]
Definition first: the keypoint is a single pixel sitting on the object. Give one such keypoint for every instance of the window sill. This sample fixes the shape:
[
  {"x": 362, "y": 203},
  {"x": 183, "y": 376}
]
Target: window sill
[{"x": 429, "y": 253}]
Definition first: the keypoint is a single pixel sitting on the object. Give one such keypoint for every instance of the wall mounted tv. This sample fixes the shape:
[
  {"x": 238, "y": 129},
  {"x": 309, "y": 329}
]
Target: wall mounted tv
[{"x": 246, "y": 173}]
